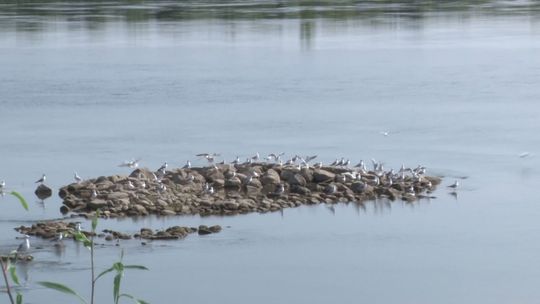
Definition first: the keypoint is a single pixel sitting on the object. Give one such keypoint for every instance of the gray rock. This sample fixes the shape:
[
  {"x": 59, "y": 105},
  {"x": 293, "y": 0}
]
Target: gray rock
[
  {"x": 297, "y": 179},
  {"x": 321, "y": 176},
  {"x": 270, "y": 177}
]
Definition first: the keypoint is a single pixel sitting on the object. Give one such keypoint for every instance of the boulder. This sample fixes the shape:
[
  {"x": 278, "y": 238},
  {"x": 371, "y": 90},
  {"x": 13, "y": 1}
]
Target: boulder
[{"x": 321, "y": 176}]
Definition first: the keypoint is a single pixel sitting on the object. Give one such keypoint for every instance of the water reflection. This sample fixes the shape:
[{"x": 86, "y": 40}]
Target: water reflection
[{"x": 95, "y": 15}]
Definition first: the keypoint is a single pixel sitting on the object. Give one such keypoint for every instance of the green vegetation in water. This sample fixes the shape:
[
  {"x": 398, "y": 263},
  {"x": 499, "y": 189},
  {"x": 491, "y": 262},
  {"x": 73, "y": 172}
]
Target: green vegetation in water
[
  {"x": 118, "y": 267},
  {"x": 9, "y": 269}
]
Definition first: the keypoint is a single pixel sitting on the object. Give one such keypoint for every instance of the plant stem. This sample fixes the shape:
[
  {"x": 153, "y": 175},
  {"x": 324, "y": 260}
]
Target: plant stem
[
  {"x": 92, "y": 266},
  {"x": 4, "y": 270}
]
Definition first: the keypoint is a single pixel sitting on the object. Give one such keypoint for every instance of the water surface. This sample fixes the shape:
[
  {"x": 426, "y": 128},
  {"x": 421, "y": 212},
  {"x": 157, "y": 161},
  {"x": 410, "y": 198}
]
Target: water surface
[{"x": 86, "y": 85}]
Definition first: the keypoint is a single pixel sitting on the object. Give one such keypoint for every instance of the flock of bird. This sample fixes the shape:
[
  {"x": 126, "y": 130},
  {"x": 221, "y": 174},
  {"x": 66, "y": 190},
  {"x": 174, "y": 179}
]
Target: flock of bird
[{"x": 275, "y": 158}]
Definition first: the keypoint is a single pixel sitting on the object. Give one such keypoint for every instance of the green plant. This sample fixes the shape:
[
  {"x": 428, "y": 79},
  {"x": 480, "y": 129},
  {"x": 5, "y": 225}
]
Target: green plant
[
  {"x": 8, "y": 266},
  {"x": 119, "y": 267}
]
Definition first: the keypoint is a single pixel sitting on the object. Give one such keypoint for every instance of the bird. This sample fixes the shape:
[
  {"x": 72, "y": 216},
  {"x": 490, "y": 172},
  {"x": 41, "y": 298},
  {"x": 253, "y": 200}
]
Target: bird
[
  {"x": 134, "y": 163},
  {"x": 24, "y": 246},
  {"x": 385, "y": 133},
  {"x": 187, "y": 165},
  {"x": 78, "y": 179},
  {"x": 42, "y": 179},
  {"x": 454, "y": 185},
  {"x": 163, "y": 167},
  {"x": 330, "y": 189},
  {"x": 94, "y": 194},
  {"x": 255, "y": 157},
  {"x": 307, "y": 159},
  {"x": 280, "y": 189},
  {"x": 78, "y": 227},
  {"x": 2, "y": 184}
]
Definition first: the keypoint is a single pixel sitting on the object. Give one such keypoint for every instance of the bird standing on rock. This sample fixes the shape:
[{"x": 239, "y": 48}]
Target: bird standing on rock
[
  {"x": 42, "y": 179},
  {"x": 77, "y": 178}
]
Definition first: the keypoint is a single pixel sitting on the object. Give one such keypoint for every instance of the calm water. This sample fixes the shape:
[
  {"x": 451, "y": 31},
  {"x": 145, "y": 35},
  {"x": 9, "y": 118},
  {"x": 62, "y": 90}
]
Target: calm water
[{"x": 84, "y": 86}]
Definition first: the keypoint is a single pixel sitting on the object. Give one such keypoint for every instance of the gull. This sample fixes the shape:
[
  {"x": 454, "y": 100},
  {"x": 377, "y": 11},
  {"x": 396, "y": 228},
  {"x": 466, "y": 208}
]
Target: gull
[
  {"x": 24, "y": 246},
  {"x": 236, "y": 161},
  {"x": 454, "y": 185},
  {"x": 524, "y": 154},
  {"x": 289, "y": 162},
  {"x": 255, "y": 157},
  {"x": 206, "y": 155},
  {"x": 280, "y": 189},
  {"x": 310, "y": 158},
  {"x": 130, "y": 185},
  {"x": 163, "y": 167},
  {"x": 190, "y": 178},
  {"x": 78, "y": 227},
  {"x": 318, "y": 165},
  {"x": 360, "y": 164},
  {"x": 248, "y": 179},
  {"x": 335, "y": 163},
  {"x": 385, "y": 133},
  {"x": 42, "y": 179},
  {"x": 78, "y": 179},
  {"x": 187, "y": 165},
  {"x": 330, "y": 189},
  {"x": 59, "y": 237},
  {"x": 94, "y": 194},
  {"x": 210, "y": 190},
  {"x": 2, "y": 184},
  {"x": 162, "y": 187},
  {"x": 134, "y": 163},
  {"x": 346, "y": 163}
]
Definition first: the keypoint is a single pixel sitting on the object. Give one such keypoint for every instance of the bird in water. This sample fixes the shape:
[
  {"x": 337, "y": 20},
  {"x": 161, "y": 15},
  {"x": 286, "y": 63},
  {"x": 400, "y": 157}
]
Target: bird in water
[
  {"x": 454, "y": 185},
  {"x": 25, "y": 245}
]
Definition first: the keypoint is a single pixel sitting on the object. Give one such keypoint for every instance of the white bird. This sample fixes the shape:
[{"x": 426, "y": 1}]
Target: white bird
[
  {"x": 236, "y": 161},
  {"x": 42, "y": 179},
  {"x": 385, "y": 133},
  {"x": 78, "y": 227},
  {"x": 255, "y": 157},
  {"x": 24, "y": 246},
  {"x": 78, "y": 179},
  {"x": 524, "y": 155},
  {"x": 163, "y": 167},
  {"x": 280, "y": 189},
  {"x": 454, "y": 185},
  {"x": 330, "y": 189},
  {"x": 130, "y": 164},
  {"x": 2, "y": 184},
  {"x": 94, "y": 194},
  {"x": 130, "y": 185},
  {"x": 187, "y": 165},
  {"x": 310, "y": 158}
]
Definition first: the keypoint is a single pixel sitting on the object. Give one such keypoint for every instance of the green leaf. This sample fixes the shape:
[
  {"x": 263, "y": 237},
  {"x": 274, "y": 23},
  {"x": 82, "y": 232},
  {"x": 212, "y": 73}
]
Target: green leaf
[
  {"x": 13, "y": 273},
  {"x": 19, "y": 298},
  {"x": 116, "y": 287},
  {"x": 138, "y": 301},
  {"x": 21, "y": 199},
  {"x": 118, "y": 266},
  {"x": 135, "y": 267},
  {"x": 104, "y": 272},
  {"x": 95, "y": 221},
  {"x": 61, "y": 288}
]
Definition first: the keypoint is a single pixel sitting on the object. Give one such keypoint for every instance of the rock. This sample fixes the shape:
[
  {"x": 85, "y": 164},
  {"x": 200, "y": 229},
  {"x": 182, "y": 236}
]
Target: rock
[
  {"x": 117, "y": 195},
  {"x": 233, "y": 183},
  {"x": 321, "y": 176},
  {"x": 43, "y": 192},
  {"x": 215, "y": 228},
  {"x": 203, "y": 230},
  {"x": 270, "y": 177},
  {"x": 297, "y": 179},
  {"x": 358, "y": 187},
  {"x": 96, "y": 204}
]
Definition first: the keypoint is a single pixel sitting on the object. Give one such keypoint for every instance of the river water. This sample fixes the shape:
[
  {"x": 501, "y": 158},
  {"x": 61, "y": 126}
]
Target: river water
[{"x": 85, "y": 86}]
